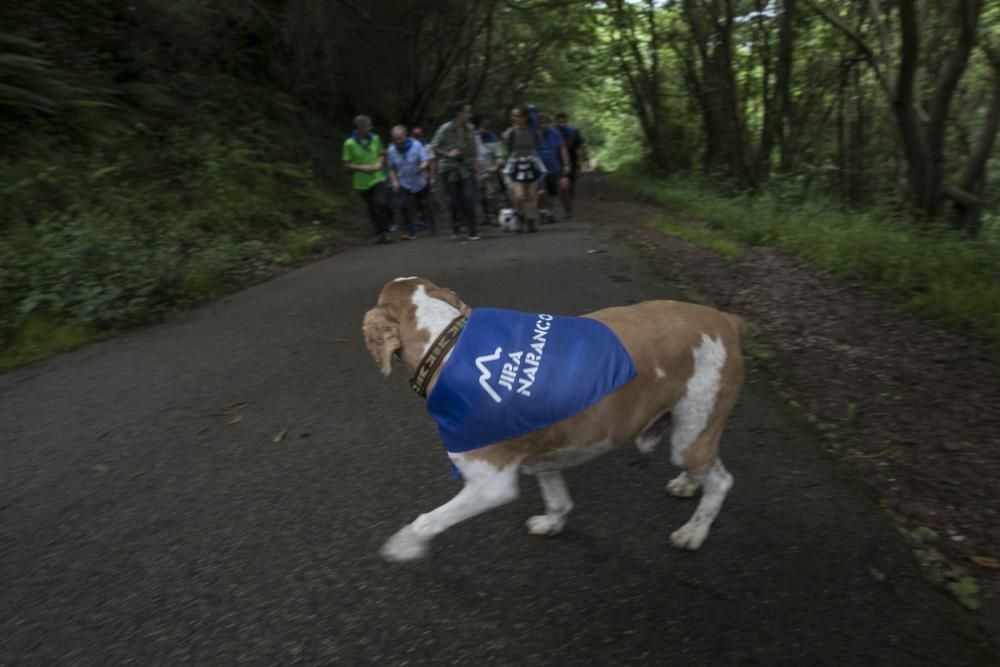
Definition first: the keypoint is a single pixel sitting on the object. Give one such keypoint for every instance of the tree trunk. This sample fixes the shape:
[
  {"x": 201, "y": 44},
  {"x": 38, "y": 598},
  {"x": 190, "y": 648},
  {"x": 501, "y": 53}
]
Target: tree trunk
[
  {"x": 967, "y": 216},
  {"x": 968, "y": 16},
  {"x": 783, "y": 87},
  {"x": 771, "y": 102},
  {"x": 643, "y": 78}
]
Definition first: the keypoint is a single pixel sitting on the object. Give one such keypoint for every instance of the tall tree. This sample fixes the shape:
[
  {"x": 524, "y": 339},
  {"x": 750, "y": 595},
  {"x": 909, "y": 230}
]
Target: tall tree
[
  {"x": 635, "y": 36},
  {"x": 921, "y": 122}
]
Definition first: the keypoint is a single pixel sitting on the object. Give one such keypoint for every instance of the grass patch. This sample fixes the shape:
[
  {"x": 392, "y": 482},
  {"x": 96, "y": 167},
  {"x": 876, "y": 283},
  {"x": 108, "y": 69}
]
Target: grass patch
[
  {"x": 699, "y": 236},
  {"x": 39, "y": 337},
  {"x": 935, "y": 272},
  {"x": 297, "y": 244}
]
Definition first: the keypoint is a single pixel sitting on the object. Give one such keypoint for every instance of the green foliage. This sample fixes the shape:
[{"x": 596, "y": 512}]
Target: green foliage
[
  {"x": 95, "y": 242},
  {"x": 209, "y": 270},
  {"x": 966, "y": 589},
  {"x": 935, "y": 272},
  {"x": 148, "y": 160},
  {"x": 298, "y": 244},
  {"x": 31, "y": 85}
]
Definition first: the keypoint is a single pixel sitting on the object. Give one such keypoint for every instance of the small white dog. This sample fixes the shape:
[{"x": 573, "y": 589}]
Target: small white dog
[
  {"x": 508, "y": 219},
  {"x": 685, "y": 374}
]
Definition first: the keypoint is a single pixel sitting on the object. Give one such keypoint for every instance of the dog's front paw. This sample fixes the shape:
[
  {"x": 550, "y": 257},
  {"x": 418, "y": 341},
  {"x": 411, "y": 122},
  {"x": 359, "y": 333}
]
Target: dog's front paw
[
  {"x": 405, "y": 545},
  {"x": 543, "y": 524},
  {"x": 690, "y": 536}
]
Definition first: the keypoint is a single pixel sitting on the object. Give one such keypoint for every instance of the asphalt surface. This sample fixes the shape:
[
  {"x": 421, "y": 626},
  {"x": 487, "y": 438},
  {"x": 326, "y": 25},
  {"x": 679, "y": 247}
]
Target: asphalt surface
[{"x": 144, "y": 520}]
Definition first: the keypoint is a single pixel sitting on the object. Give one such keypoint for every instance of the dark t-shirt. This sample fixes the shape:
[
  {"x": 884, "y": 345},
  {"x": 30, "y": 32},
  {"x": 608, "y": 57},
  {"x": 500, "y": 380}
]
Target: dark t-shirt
[{"x": 573, "y": 140}]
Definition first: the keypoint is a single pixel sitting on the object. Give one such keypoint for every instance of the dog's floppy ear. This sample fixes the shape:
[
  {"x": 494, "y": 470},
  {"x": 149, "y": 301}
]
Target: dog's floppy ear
[
  {"x": 381, "y": 331},
  {"x": 449, "y": 297}
]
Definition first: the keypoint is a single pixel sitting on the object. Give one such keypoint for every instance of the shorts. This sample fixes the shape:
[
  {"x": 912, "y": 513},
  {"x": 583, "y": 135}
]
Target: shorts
[{"x": 524, "y": 169}]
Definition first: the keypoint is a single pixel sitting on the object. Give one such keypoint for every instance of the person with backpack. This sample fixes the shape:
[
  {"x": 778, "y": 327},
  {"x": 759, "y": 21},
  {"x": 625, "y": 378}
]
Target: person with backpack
[
  {"x": 524, "y": 168},
  {"x": 554, "y": 156},
  {"x": 364, "y": 155},
  {"x": 576, "y": 147}
]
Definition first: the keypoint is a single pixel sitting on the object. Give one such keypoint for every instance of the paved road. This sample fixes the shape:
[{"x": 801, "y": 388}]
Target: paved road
[{"x": 139, "y": 526}]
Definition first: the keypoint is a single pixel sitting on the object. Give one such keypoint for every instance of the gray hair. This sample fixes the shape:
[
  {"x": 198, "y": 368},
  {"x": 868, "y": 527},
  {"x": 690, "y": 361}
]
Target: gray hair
[
  {"x": 402, "y": 128},
  {"x": 358, "y": 120}
]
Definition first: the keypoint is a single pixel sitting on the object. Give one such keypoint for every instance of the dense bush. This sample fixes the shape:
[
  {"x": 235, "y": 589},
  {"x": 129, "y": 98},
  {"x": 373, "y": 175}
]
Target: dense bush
[
  {"x": 100, "y": 239},
  {"x": 151, "y": 155}
]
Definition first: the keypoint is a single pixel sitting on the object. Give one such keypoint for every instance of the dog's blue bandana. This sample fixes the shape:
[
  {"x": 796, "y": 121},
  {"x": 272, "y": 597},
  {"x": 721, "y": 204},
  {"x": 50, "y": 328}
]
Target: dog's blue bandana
[{"x": 511, "y": 373}]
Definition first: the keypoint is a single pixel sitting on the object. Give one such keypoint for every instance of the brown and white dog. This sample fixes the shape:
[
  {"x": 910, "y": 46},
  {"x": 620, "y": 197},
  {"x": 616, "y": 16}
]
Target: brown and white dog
[{"x": 690, "y": 372}]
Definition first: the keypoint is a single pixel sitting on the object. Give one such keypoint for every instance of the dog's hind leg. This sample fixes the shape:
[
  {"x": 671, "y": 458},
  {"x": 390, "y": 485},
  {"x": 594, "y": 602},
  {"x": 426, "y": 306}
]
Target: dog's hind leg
[
  {"x": 699, "y": 419},
  {"x": 557, "y": 505},
  {"x": 485, "y": 487},
  {"x": 715, "y": 482}
]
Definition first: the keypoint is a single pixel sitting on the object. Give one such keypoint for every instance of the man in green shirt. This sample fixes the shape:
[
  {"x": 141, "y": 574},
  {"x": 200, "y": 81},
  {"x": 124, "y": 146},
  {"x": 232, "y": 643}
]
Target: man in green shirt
[{"x": 364, "y": 155}]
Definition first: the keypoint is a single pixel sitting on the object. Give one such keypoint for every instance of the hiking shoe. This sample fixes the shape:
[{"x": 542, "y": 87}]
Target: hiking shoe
[
  {"x": 473, "y": 238},
  {"x": 407, "y": 237}
]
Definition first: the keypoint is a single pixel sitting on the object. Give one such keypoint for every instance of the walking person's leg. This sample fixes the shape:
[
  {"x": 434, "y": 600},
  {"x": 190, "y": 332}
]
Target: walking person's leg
[
  {"x": 505, "y": 194},
  {"x": 383, "y": 204},
  {"x": 520, "y": 202},
  {"x": 541, "y": 196},
  {"x": 455, "y": 204},
  {"x": 403, "y": 200},
  {"x": 531, "y": 205},
  {"x": 566, "y": 191},
  {"x": 494, "y": 194},
  {"x": 423, "y": 197},
  {"x": 469, "y": 200},
  {"x": 549, "y": 192},
  {"x": 484, "y": 198},
  {"x": 368, "y": 196},
  {"x": 412, "y": 213}
]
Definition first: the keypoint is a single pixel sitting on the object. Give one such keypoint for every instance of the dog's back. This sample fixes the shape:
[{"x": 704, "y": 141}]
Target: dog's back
[{"x": 687, "y": 357}]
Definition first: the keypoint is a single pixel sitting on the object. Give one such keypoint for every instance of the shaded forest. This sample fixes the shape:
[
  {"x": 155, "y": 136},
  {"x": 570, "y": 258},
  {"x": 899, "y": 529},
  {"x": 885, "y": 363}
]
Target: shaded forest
[{"x": 152, "y": 148}]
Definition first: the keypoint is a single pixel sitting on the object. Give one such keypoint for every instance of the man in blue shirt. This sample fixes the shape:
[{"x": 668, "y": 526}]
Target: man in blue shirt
[
  {"x": 552, "y": 150},
  {"x": 409, "y": 161}
]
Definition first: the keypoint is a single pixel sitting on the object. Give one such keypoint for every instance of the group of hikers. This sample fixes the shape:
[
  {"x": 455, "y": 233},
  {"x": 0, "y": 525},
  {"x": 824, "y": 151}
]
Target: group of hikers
[{"x": 530, "y": 166}]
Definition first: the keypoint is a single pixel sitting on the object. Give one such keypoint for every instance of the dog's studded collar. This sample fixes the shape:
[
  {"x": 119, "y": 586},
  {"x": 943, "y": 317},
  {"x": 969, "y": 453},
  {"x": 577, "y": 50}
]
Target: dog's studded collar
[{"x": 435, "y": 355}]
